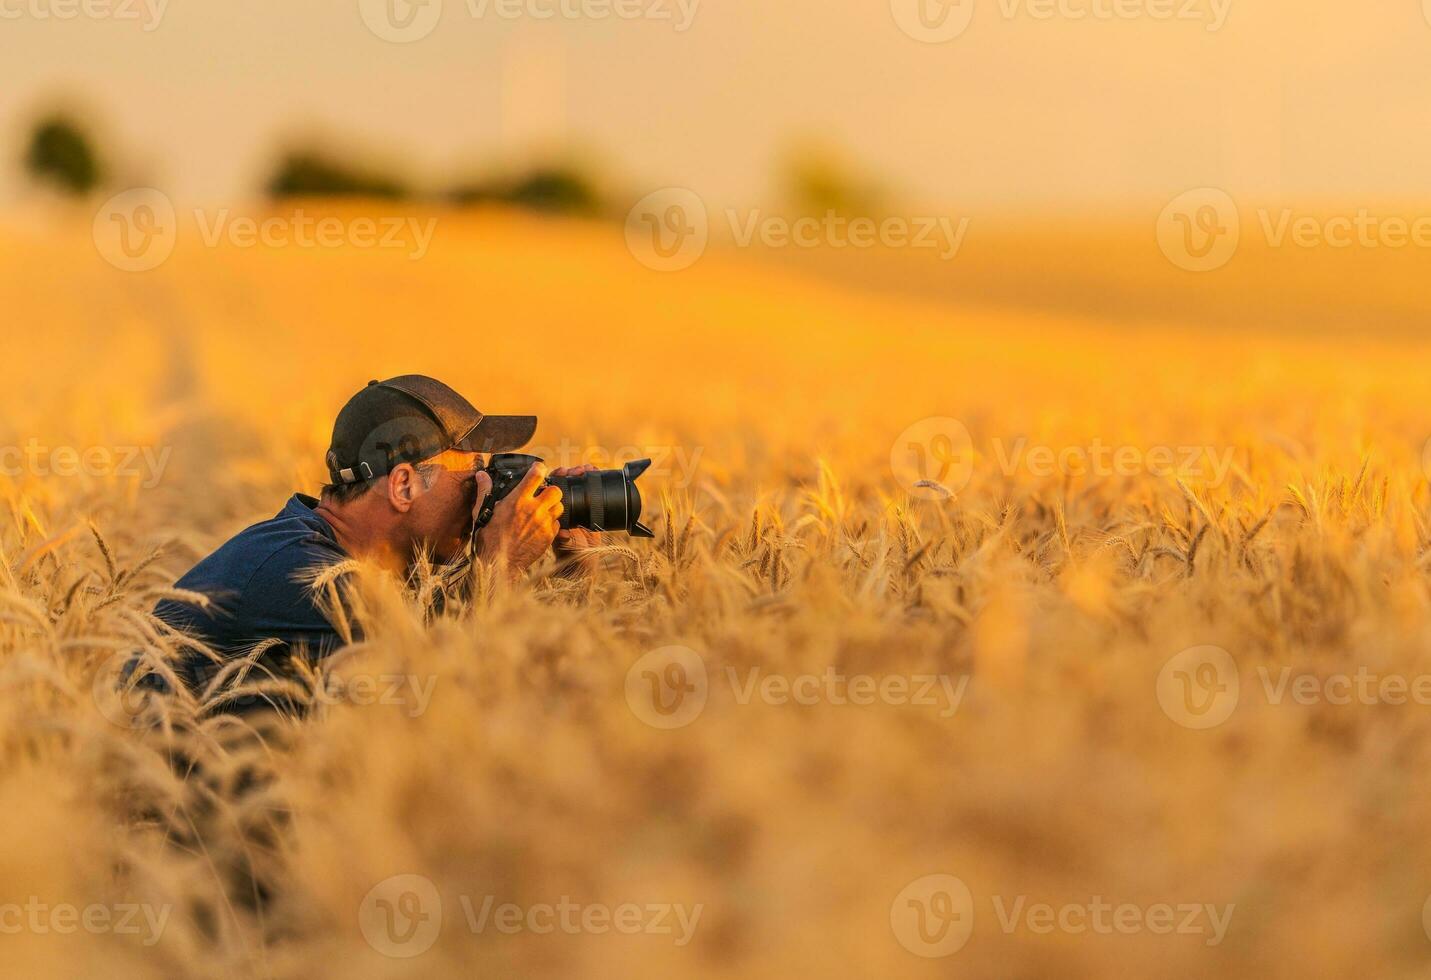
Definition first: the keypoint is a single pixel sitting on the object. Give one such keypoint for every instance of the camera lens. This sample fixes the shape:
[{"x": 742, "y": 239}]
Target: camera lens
[{"x": 603, "y": 500}]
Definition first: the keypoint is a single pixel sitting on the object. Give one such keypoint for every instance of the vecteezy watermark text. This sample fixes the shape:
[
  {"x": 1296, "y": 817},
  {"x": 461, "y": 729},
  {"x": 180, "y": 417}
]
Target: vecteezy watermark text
[
  {"x": 1201, "y": 230},
  {"x": 670, "y": 229},
  {"x": 124, "y": 692},
  {"x": 402, "y": 917},
  {"x": 298, "y": 229},
  {"x": 933, "y": 917},
  {"x": 1210, "y": 13},
  {"x": 34, "y": 458},
  {"x": 1100, "y": 459},
  {"x": 1104, "y": 918},
  {"x": 137, "y": 230},
  {"x": 147, "y": 13},
  {"x": 938, "y": 21},
  {"x": 406, "y": 21},
  {"x": 668, "y": 688},
  {"x": 939, "y": 691},
  {"x": 41, "y": 918},
  {"x": 1356, "y": 229},
  {"x": 681, "y": 14},
  {"x": 577, "y": 918},
  {"x": 941, "y": 232},
  {"x": 1201, "y": 687},
  {"x": 411, "y": 692},
  {"x": 935, "y": 457},
  {"x": 1363, "y": 687}
]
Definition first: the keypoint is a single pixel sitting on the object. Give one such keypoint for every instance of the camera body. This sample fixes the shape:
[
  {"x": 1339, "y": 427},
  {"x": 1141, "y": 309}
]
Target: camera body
[{"x": 602, "y": 500}]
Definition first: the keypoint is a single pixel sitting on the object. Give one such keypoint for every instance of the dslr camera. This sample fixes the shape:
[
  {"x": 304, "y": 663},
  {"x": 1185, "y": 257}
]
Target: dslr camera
[{"x": 602, "y": 500}]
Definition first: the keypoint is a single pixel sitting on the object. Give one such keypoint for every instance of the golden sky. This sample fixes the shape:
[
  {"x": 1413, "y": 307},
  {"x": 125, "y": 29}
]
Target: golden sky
[{"x": 1062, "y": 102}]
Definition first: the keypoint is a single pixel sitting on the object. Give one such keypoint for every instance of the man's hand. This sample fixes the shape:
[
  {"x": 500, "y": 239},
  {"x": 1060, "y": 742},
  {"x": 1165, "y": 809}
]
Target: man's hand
[
  {"x": 524, "y": 523},
  {"x": 569, "y": 545}
]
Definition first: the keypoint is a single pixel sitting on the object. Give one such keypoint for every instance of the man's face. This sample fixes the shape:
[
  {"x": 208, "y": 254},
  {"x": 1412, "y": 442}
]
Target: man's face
[{"x": 441, "y": 516}]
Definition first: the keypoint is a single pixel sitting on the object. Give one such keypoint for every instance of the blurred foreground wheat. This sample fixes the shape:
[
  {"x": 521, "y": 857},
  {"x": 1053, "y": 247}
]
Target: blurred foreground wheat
[{"x": 522, "y": 771}]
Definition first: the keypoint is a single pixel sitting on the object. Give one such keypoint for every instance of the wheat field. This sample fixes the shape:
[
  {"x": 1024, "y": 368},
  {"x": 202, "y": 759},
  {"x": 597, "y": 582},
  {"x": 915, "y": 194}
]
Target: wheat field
[{"x": 515, "y": 764}]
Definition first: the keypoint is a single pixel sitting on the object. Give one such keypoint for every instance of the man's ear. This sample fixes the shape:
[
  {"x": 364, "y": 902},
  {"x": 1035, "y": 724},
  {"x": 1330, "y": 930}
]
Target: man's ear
[{"x": 403, "y": 487}]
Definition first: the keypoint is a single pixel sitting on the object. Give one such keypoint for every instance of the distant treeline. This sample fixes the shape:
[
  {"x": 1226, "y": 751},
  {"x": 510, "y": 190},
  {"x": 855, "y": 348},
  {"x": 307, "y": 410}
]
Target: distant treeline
[
  {"x": 62, "y": 154},
  {"x": 559, "y": 189}
]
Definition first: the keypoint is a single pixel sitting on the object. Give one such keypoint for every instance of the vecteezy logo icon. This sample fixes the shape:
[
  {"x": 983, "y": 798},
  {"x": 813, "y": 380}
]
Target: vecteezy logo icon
[
  {"x": 933, "y": 458},
  {"x": 932, "y": 21},
  {"x": 136, "y": 230},
  {"x": 401, "y": 916},
  {"x": 667, "y": 687},
  {"x": 1200, "y": 230},
  {"x": 1199, "y": 687},
  {"x": 933, "y": 916},
  {"x": 401, "y": 21},
  {"x": 668, "y": 230}
]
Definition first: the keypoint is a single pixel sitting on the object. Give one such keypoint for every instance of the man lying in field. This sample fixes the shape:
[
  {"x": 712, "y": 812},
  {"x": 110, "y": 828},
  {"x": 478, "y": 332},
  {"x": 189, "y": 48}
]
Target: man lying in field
[{"x": 405, "y": 481}]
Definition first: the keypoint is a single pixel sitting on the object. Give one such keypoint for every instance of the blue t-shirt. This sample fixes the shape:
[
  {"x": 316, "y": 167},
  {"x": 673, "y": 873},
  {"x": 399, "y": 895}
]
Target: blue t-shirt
[{"x": 257, "y": 584}]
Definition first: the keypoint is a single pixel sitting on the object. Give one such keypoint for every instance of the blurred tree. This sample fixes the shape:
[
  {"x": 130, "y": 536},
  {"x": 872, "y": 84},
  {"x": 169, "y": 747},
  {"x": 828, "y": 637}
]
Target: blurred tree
[
  {"x": 816, "y": 181},
  {"x": 552, "y": 189},
  {"x": 61, "y": 154},
  {"x": 312, "y": 173}
]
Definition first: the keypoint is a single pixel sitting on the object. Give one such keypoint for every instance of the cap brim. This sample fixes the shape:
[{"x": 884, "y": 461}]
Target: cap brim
[{"x": 499, "y": 434}]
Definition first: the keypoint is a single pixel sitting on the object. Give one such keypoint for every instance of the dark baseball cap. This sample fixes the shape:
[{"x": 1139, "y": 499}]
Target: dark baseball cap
[{"x": 411, "y": 418}]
